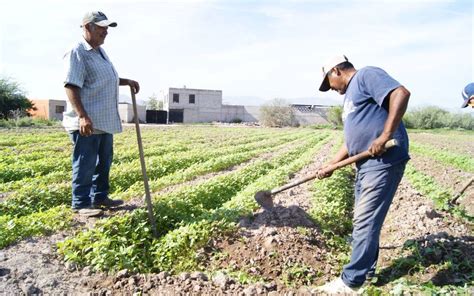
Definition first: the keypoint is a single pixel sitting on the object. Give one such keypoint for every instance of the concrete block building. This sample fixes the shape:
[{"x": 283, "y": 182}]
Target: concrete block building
[{"x": 187, "y": 105}]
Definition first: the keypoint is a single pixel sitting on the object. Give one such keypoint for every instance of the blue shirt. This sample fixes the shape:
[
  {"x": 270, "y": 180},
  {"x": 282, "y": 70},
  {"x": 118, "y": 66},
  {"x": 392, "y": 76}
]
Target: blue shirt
[
  {"x": 92, "y": 71},
  {"x": 364, "y": 115}
]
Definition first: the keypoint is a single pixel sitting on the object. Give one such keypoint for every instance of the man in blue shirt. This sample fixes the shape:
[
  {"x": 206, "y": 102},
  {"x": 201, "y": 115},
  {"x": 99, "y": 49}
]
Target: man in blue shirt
[{"x": 374, "y": 105}]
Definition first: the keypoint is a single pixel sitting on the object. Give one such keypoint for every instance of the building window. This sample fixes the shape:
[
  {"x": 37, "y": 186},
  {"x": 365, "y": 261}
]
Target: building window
[
  {"x": 192, "y": 99},
  {"x": 175, "y": 98},
  {"x": 59, "y": 109}
]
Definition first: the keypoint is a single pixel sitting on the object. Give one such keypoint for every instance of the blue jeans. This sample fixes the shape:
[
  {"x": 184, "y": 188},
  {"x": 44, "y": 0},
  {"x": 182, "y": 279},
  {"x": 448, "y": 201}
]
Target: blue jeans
[
  {"x": 91, "y": 161},
  {"x": 374, "y": 191}
]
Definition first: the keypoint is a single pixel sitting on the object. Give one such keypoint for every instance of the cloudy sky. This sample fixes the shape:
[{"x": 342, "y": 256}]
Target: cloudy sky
[{"x": 248, "y": 49}]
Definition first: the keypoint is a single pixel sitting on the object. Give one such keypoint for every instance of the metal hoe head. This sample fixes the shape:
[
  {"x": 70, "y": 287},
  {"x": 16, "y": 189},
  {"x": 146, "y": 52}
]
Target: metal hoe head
[{"x": 264, "y": 199}]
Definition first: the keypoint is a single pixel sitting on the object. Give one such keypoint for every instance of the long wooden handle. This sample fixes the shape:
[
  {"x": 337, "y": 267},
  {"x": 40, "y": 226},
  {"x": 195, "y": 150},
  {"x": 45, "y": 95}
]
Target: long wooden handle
[
  {"x": 149, "y": 204},
  {"x": 337, "y": 165}
]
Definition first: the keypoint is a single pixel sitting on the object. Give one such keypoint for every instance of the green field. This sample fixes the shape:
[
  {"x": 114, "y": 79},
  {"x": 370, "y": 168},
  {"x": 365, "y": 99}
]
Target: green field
[{"x": 203, "y": 180}]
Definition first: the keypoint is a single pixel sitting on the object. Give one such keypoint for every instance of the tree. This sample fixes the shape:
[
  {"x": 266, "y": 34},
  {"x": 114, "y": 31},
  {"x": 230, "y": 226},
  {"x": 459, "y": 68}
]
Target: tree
[
  {"x": 335, "y": 115},
  {"x": 154, "y": 103},
  {"x": 12, "y": 99},
  {"x": 431, "y": 117},
  {"x": 277, "y": 113}
]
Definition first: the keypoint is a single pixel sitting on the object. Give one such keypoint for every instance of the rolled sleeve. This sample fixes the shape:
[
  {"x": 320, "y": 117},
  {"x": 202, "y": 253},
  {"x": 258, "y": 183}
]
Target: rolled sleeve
[{"x": 75, "y": 69}]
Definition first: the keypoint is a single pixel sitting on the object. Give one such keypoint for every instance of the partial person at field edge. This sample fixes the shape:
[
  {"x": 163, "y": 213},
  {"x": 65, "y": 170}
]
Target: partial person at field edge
[{"x": 468, "y": 95}]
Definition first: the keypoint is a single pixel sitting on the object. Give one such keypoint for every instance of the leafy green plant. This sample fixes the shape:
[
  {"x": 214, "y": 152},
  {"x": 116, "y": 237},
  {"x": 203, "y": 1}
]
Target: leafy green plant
[
  {"x": 294, "y": 274},
  {"x": 15, "y": 229}
]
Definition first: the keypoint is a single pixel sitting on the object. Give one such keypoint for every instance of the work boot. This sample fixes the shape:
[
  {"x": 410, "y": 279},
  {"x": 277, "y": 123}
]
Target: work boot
[
  {"x": 338, "y": 287},
  {"x": 88, "y": 212},
  {"x": 108, "y": 203}
]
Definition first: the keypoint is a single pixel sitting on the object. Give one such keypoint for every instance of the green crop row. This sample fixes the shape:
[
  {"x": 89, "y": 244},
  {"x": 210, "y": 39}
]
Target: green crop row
[
  {"x": 429, "y": 187},
  {"x": 462, "y": 162},
  {"x": 126, "y": 175},
  {"x": 13, "y": 230},
  {"x": 37, "y": 195},
  {"x": 17, "y": 167},
  {"x": 123, "y": 154},
  {"x": 333, "y": 202},
  {"x": 197, "y": 169},
  {"x": 121, "y": 244}
]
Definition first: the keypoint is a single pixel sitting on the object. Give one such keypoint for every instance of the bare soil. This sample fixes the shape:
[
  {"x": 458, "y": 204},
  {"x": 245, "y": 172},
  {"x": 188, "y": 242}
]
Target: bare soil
[
  {"x": 462, "y": 145},
  {"x": 448, "y": 177}
]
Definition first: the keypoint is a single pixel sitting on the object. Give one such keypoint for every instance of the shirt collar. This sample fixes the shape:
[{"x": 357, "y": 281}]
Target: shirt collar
[{"x": 87, "y": 46}]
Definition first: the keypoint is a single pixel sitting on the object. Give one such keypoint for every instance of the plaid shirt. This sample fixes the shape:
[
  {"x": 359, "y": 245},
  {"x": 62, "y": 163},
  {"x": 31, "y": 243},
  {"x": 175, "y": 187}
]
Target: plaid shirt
[{"x": 92, "y": 71}]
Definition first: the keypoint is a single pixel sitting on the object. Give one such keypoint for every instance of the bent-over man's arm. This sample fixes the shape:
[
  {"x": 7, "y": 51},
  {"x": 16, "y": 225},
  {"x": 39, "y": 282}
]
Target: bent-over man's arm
[
  {"x": 342, "y": 154},
  {"x": 398, "y": 102}
]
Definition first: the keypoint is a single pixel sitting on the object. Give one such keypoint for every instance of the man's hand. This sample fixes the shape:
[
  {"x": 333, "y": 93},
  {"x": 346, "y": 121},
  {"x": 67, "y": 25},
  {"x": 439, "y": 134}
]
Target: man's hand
[
  {"x": 324, "y": 172},
  {"x": 132, "y": 83},
  {"x": 85, "y": 126},
  {"x": 378, "y": 145}
]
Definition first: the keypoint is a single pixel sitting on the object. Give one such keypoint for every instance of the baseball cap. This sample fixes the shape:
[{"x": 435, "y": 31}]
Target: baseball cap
[
  {"x": 331, "y": 63},
  {"x": 467, "y": 93},
  {"x": 98, "y": 18}
]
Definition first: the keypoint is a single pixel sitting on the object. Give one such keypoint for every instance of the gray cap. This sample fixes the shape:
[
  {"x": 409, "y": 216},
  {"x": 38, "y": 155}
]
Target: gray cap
[{"x": 98, "y": 18}]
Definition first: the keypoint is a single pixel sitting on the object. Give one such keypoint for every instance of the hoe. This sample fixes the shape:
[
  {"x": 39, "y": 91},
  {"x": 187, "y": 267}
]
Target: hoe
[{"x": 265, "y": 200}]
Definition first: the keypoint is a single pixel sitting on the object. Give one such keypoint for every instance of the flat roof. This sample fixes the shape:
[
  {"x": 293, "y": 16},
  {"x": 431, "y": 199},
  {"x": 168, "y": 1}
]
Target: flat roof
[{"x": 194, "y": 89}]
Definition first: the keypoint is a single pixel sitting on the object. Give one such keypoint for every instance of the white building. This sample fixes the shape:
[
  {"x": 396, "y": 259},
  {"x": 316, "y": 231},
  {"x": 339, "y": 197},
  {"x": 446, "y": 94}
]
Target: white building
[
  {"x": 187, "y": 105},
  {"x": 126, "y": 113}
]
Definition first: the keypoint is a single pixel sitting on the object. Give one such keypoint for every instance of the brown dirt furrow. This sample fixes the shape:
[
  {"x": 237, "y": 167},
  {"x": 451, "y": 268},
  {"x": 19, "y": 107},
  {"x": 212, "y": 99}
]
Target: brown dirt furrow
[
  {"x": 282, "y": 246},
  {"x": 447, "y": 177},
  {"x": 461, "y": 145},
  {"x": 412, "y": 217}
]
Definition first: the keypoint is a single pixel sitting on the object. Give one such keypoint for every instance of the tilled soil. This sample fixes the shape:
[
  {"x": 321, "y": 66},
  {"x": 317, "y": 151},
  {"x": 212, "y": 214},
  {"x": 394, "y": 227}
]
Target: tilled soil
[
  {"x": 280, "y": 247},
  {"x": 283, "y": 245},
  {"x": 448, "y": 177},
  {"x": 445, "y": 142},
  {"x": 413, "y": 218}
]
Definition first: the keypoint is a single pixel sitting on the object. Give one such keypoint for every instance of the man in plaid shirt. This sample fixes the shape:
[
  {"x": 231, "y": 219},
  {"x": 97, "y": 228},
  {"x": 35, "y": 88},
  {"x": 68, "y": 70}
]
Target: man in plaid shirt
[{"x": 92, "y": 116}]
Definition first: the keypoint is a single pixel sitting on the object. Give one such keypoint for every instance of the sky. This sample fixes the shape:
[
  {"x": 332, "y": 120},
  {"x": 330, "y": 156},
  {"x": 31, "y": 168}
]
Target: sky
[{"x": 253, "y": 51}]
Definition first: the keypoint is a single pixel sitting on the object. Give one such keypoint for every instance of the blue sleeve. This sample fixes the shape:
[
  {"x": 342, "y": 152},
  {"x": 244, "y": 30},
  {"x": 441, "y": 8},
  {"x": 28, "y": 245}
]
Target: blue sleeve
[
  {"x": 378, "y": 84},
  {"x": 74, "y": 68}
]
